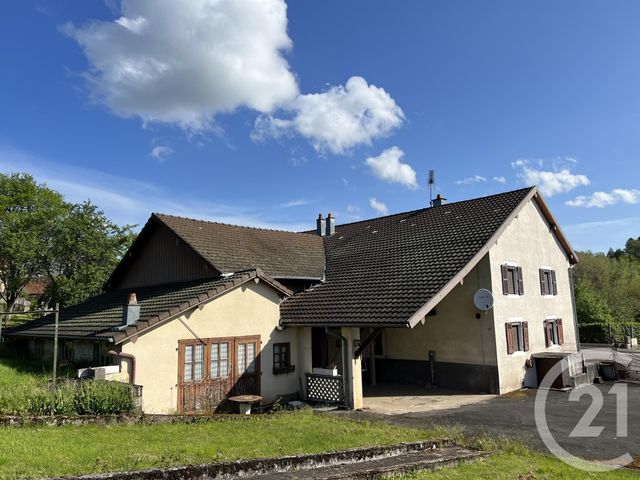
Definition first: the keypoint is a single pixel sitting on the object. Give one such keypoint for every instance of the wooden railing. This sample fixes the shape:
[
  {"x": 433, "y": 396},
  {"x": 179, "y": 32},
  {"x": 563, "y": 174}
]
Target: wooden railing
[{"x": 325, "y": 389}]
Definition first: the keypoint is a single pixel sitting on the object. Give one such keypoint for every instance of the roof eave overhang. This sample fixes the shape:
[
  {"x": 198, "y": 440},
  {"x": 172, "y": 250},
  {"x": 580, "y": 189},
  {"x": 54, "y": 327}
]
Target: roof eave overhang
[
  {"x": 555, "y": 228},
  {"x": 90, "y": 338},
  {"x": 346, "y": 324},
  {"x": 124, "y": 336},
  {"x": 450, "y": 285}
]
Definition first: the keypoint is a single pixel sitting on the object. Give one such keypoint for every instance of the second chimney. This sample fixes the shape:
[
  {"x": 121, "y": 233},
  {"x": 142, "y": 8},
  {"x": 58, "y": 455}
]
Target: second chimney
[
  {"x": 131, "y": 311},
  {"x": 320, "y": 226},
  {"x": 331, "y": 225}
]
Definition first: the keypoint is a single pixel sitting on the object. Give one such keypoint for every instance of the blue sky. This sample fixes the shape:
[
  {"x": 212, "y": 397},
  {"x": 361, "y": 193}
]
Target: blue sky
[{"x": 261, "y": 113}]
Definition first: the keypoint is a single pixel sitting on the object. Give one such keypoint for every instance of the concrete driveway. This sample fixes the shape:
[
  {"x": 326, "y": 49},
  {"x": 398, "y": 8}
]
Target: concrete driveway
[
  {"x": 512, "y": 416},
  {"x": 388, "y": 399}
]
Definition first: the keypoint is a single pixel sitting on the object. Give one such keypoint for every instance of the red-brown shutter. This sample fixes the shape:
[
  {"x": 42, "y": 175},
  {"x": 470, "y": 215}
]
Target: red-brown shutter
[
  {"x": 560, "y": 332},
  {"x": 544, "y": 289},
  {"x": 520, "y": 282},
  {"x": 547, "y": 336},
  {"x": 525, "y": 335},
  {"x": 509, "y": 331},
  {"x": 505, "y": 280},
  {"x": 554, "y": 288}
]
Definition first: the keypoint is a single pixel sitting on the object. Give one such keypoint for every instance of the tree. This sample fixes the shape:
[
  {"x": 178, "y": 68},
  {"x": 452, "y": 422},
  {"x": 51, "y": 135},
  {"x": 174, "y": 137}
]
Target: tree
[
  {"x": 28, "y": 215},
  {"x": 85, "y": 248},
  {"x": 632, "y": 247},
  {"x": 608, "y": 290},
  {"x": 74, "y": 246}
]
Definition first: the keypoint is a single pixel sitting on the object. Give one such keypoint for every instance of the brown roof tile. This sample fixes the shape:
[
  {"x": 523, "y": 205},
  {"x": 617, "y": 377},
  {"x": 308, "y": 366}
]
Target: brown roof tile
[
  {"x": 382, "y": 271},
  {"x": 231, "y": 248},
  {"x": 99, "y": 317}
]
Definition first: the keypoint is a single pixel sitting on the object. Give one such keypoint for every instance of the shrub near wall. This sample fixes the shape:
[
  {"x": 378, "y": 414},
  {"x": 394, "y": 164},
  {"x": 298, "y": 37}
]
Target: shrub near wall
[{"x": 87, "y": 397}]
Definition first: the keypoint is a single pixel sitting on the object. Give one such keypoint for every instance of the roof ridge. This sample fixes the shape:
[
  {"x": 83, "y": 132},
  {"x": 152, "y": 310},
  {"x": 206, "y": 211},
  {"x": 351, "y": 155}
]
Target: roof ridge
[
  {"x": 409, "y": 212},
  {"x": 213, "y": 222}
]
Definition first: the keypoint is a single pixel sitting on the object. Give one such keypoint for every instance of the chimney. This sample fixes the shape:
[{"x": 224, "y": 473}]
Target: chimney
[
  {"x": 331, "y": 224},
  {"x": 320, "y": 225},
  {"x": 131, "y": 311},
  {"x": 439, "y": 200}
]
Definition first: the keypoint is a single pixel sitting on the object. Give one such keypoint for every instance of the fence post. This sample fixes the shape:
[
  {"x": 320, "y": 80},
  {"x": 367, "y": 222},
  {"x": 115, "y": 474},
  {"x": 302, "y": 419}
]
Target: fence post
[{"x": 55, "y": 360}]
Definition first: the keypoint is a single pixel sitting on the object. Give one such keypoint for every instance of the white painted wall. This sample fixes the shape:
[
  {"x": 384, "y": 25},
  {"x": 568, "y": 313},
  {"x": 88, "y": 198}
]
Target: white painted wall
[{"x": 530, "y": 243}]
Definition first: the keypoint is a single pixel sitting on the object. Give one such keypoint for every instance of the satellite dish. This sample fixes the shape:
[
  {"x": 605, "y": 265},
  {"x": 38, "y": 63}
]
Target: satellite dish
[{"x": 483, "y": 299}]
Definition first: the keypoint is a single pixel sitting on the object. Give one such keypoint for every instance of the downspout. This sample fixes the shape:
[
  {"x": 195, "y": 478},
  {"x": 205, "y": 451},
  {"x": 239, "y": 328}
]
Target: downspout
[
  {"x": 132, "y": 375},
  {"x": 575, "y": 309},
  {"x": 345, "y": 365}
]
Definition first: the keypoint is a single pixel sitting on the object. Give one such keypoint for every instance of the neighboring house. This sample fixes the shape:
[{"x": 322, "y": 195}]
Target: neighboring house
[
  {"x": 30, "y": 296},
  {"x": 221, "y": 310}
]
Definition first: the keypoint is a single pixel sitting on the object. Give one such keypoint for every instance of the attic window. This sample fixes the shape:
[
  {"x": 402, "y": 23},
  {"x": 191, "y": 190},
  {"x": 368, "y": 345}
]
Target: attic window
[
  {"x": 375, "y": 231},
  {"x": 403, "y": 220}
]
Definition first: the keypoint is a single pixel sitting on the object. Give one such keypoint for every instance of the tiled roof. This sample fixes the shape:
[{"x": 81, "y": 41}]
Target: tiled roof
[
  {"x": 231, "y": 248},
  {"x": 99, "y": 317},
  {"x": 382, "y": 271}
]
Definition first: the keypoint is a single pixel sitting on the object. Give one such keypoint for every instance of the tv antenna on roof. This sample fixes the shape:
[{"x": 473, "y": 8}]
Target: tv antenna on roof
[{"x": 432, "y": 182}]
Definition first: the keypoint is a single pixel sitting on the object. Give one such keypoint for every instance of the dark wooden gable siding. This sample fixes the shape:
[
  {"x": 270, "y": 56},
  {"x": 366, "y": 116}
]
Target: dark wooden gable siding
[{"x": 164, "y": 258}]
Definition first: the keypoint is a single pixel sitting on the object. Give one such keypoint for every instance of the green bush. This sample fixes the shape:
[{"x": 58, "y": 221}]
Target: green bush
[
  {"x": 72, "y": 398},
  {"x": 103, "y": 398}
]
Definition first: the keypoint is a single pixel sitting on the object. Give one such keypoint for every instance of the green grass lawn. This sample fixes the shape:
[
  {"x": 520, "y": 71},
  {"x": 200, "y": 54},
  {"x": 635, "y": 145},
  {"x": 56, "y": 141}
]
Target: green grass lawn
[
  {"x": 53, "y": 451},
  {"x": 519, "y": 463}
]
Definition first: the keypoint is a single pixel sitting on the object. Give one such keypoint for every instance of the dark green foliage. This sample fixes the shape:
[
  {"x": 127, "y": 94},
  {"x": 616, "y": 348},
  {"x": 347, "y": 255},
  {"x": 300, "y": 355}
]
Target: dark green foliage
[
  {"x": 24, "y": 390},
  {"x": 102, "y": 398},
  {"x": 87, "y": 397},
  {"x": 607, "y": 289},
  {"x": 632, "y": 247},
  {"x": 72, "y": 247}
]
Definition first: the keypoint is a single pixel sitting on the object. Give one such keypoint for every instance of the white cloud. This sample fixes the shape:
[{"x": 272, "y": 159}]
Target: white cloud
[
  {"x": 337, "y": 120},
  {"x": 605, "y": 199},
  {"x": 550, "y": 182},
  {"x": 502, "y": 180},
  {"x": 295, "y": 203},
  {"x": 353, "y": 208},
  {"x": 599, "y": 236},
  {"x": 184, "y": 61},
  {"x": 388, "y": 166},
  {"x": 129, "y": 201},
  {"x": 378, "y": 206},
  {"x": 469, "y": 180},
  {"x": 161, "y": 152}
]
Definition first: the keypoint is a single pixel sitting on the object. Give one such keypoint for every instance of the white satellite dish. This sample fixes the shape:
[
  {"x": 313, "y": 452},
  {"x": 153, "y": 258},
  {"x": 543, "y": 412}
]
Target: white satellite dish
[{"x": 483, "y": 299}]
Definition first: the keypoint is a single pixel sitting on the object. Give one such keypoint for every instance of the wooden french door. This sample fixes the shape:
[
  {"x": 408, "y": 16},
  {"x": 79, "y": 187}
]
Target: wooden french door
[{"x": 212, "y": 369}]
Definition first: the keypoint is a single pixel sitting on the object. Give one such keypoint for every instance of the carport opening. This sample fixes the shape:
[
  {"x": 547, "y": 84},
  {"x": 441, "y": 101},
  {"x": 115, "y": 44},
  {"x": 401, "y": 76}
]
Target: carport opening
[{"x": 423, "y": 375}]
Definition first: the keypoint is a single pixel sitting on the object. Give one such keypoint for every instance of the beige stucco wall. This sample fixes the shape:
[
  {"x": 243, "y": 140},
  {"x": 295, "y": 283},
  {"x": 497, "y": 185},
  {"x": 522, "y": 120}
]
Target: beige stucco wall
[
  {"x": 529, "y": 242},
  {"x": 251, "y": 309},
  {"x": 355, "y": 399},
  {"x": 454, "y": 333}
]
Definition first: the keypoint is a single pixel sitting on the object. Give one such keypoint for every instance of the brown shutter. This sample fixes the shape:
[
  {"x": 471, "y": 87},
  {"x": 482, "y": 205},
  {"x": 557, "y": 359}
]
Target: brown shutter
[
  {"x": 509, "y": 331},
  {"x": 525, "y": 335},
  {"x": 505, "y": 280},
  {"x": 520, "y": 282},
  {"x": 547, "y": 337},
  {"x": 554, "y": 288},
  {"x": 560, "y": 332},
  {"x": 544, "y": 290}
]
